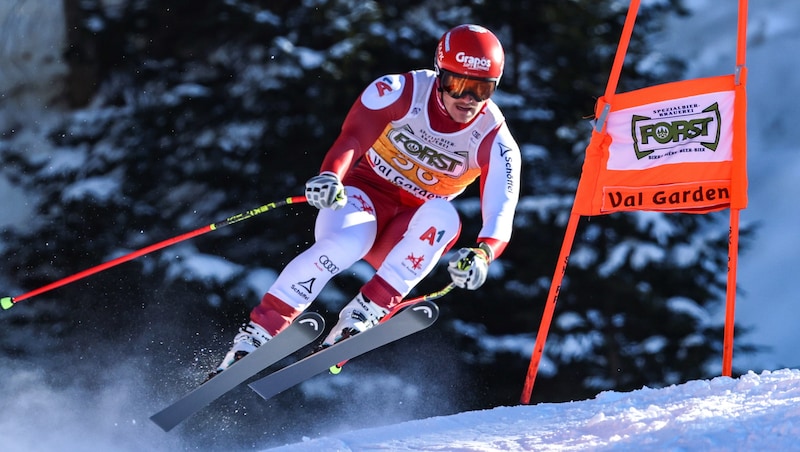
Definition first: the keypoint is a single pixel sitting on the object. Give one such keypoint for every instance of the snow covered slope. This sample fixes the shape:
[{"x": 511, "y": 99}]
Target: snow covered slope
[{"x": 754, "y": 412}]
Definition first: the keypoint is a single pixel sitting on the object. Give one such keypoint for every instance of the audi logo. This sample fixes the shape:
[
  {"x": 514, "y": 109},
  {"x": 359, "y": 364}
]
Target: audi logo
[{"x": 328, "y": 264}]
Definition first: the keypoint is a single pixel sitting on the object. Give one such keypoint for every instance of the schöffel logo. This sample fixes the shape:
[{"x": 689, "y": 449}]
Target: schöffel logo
[
  {"x": 675, "y": 129},
  {"x": 473, "y": 62}
]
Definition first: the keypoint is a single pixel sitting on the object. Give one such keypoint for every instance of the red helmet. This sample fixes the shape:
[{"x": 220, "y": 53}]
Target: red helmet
[{"x": 472, "y": 51}]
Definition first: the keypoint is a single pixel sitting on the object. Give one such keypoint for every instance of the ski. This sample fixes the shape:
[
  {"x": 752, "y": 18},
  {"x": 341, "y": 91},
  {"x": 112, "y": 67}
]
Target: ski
[
  {"x": 414, "y": 318},
  {"x": 303, "y": 331}
]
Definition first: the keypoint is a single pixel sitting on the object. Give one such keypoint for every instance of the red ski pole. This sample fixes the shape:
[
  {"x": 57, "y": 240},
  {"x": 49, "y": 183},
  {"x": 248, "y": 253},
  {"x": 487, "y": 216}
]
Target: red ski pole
[{"x": 8, "y": 302}]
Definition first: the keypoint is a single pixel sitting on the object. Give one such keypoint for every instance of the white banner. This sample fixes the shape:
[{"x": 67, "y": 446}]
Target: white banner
[{"x": 682, "y": 130}]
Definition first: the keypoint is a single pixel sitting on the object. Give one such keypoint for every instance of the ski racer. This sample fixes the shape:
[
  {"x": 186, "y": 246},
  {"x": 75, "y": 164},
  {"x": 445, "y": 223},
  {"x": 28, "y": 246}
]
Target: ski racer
[{"x": 409, "y": 145}]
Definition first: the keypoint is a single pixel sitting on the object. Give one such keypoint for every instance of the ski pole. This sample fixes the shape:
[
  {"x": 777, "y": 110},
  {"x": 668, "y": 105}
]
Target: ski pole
[
  {"x": 8, "y": 302},
  {"x": 336, "y": 368}
]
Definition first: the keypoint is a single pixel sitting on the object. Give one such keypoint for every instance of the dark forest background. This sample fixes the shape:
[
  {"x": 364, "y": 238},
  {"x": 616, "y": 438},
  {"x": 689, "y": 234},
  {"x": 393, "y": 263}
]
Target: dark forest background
[{"x": 181, "y": 113}]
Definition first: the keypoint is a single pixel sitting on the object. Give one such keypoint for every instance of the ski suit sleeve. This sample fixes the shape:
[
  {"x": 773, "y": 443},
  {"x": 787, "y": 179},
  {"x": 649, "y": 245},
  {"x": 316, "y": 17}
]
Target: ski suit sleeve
[
  {"x": 501, "y": 163},
  {"x": 384, "y": 100}
]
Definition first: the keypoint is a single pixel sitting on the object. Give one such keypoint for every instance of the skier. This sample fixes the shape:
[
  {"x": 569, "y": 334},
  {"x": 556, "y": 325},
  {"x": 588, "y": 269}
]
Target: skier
[{"x": 410, "y": 144}]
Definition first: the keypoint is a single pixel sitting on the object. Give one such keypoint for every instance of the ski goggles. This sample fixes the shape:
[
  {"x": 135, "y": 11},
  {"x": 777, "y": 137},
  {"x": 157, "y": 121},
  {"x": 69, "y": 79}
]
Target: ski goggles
[{"x": 458, "y": 86}]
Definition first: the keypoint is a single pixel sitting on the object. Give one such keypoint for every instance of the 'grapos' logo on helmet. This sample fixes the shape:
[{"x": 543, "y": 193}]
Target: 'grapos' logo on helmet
[
  {"x": 473, "y": 62},
  {"x": 675, "y": 130}
]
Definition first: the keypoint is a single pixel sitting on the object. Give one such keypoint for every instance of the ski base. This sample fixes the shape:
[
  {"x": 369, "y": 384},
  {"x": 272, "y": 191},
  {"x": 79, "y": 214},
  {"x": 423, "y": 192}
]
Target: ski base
[
  {"x": 414, "y": 318},
  {"x": 303, "y": 331}
]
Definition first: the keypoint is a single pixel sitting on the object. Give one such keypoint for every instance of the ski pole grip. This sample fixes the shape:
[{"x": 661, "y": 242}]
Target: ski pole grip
[{"x": 6, "y": 302}]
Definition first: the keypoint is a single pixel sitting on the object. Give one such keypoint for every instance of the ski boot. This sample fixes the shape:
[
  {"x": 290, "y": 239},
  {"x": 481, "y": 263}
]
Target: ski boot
[{"x": 251, "y": 335}]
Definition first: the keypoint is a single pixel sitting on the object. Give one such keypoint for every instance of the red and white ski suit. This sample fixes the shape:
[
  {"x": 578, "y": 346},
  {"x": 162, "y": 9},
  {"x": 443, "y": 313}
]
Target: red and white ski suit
[{"x": 402, "y": 159}]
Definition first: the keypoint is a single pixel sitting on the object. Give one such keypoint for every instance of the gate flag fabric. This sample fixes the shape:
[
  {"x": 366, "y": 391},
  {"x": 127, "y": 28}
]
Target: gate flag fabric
[{"x": 677, "y": 147}]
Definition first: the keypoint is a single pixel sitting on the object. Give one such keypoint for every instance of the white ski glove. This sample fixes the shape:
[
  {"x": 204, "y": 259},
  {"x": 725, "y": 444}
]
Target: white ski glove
[
  {"x": 469, "y": 267},
  {"x": 326, "y": 191}
]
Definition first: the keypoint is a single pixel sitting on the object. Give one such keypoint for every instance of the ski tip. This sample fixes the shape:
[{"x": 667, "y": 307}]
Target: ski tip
[
  {"x": 335, "y": 369},
  {"x": 313, "y": 320},
  {"x": 6, "y": 302},
  {"x": 162, "y": 420}
]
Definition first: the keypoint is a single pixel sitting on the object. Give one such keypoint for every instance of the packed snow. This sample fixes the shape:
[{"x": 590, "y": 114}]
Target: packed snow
[{"x": 753, "y": 412}]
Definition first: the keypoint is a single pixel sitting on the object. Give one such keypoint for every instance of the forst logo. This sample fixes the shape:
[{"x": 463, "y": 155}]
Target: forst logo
[
  {"x": 473, "y": 62},
  {"x": 452, "y": 164},
  {"x": 675, "y": 127}
]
